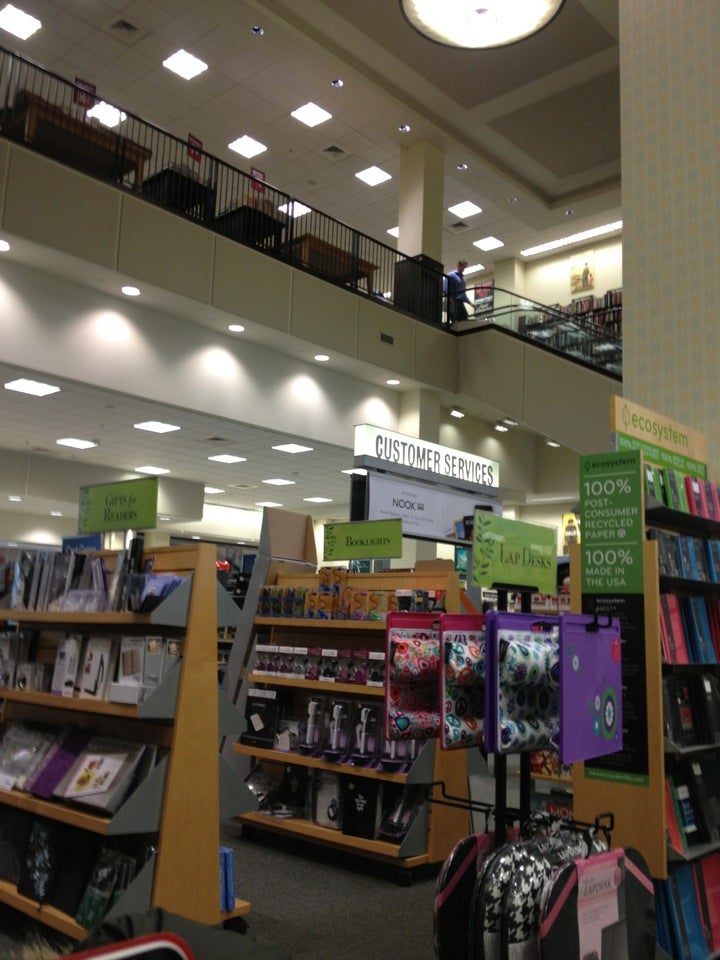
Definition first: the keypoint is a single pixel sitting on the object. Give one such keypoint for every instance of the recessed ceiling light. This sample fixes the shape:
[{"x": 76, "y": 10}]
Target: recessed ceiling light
[
  {"x": 4, "y": 246},
  {"x": 257, "y": 31},
  {"x": 130, "y": 291},
  {"x": 196, "y": 536},
  {"x": 574, "y": 238},
  {"x": 155, "y": 471},
  {"x": 501, "y": 428},
  {"x": 236, "y": 328},
  {"x": 357, "y": 471},
  {"x": 394, "y": 231},
  {"x": 76, "y": 443},
  {"x": 294, "y": 209},
  {"x": 292, "y": 448},
  {"x": 247, "y": 147},
  {"x": 55, "y": 513},
  {"x": 311, "y": 114},
  {"x": 552, "y": 443},
  {"x": 17, "y": 22},
  {"x": 185, "y": 65},
  {"x": 106, "y": 114},
  {"x": 14, "y": 499},
  {"x": 465, "y": 209},
  {"x": 337, "y": 83},
  {"x": 227, "y": 458},
  {"x": 34, "y": 387},
  {"x": 569, "y": 212},
  {"x": 213, "y": 490},
  {"x": 156, "y": 426},
  {"x": 392, "y": 382},
  {"x": 510, "y": 422},
  {"x": 317, "y": 500},
  {"x": 404, "y": 128},
  {"x": 458, "y": 413},
  {"x": 321, "y": 357},
  {"x": 488, "y": 243},
  {"x": 267, "y": 503},
  {"x": 279, "y": 482},
  {"x": 512, "y": 199},
  {"x": 373, "y": 176}
]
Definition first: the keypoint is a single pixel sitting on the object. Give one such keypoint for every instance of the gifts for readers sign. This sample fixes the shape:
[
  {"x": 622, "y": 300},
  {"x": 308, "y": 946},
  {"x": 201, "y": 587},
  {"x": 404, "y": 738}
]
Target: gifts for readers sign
[
  {"x": 513, "y": 553},
  {"x": 125, "y": 505},
  {"x": 611, "y": 507},
  {"x": 363, "y": 540}
]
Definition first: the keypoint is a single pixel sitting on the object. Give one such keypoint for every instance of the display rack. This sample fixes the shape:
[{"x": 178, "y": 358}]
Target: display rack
[{"x": 179, "y": 804}]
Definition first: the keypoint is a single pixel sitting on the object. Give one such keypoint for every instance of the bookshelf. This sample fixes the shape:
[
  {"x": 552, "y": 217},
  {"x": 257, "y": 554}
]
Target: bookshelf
[{"x": 169, "y": 805}]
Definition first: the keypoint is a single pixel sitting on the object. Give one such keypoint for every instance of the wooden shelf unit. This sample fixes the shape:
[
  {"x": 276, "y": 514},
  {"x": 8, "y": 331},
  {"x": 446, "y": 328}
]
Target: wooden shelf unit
[
  {"x": 445, "y": 825},
  {"x": 185, "y": 808}
]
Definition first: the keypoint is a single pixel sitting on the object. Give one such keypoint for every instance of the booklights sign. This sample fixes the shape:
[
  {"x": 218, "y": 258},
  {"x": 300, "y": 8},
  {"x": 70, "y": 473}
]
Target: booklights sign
[
  {"x": 128, "y": 504},
  {"x": 363, "y": 540}
]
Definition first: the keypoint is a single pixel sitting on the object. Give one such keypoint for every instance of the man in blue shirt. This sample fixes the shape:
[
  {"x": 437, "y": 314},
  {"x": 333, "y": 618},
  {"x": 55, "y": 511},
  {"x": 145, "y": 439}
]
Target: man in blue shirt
[{"x": 456, "y": 295}]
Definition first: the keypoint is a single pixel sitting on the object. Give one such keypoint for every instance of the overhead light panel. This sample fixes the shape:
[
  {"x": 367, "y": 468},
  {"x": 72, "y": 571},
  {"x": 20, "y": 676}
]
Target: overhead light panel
[
  {"x": 470, "y": 26},
  {"x": 247, "y": 147},
  {"x": 33, "y": 387},
  {"x": 392, "y": 382},
  {"x": 465, "y": 209},
  {"x": 76, "y": 443},
  {"x": 510, "y": 422},
  {"x": 458, "y": 413},
  {"x": 474, "y": 268},
  {"x": 294, "y": 209},
  {"x": 317, "y": 500},
  {"x": 394, "y": 231},
  {"x": 106, "y": 114},
  {"x": 552, "y": 443},
  {"x": 4, "y": 246},
  {"x": 311, "y": 115},
  {"x": 574, "y": 238},
  {"x": 279, "y": 482},
  {"x": 356, "y": 471},
  {"x": 488, "y": 243},
  {"x": 321, "y": 357},
  {"x": 501, "y": 428},
  {"x": 13, "y": 499},
  {"x": 292, "y": 448},
  {"x": 211, "y": 490},
  {"x": 17, "y": 22},
  {"x": 156, "y": 426},
  {"x": 185, "y": 65},
  {"x": 227, "y": 458},
  {"x": 130, "y": 291},
  {"x": 153, "y": 471},
  {"x": 236, "y": 328},
  {"x": 267, "y": 503},
  {"x": 372, "y": 176}
]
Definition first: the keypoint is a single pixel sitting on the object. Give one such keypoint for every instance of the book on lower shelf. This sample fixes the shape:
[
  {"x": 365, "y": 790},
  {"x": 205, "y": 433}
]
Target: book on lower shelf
[
  {"x": 47, "y": 847},
  {"x": 97, "y": 667},
  {"x": 69, "y": 743},
  {"x": 102, "y": 774}
]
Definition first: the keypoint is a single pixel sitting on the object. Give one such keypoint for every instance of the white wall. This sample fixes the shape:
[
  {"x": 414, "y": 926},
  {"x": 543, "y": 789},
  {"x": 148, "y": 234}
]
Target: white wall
[{"x": 547, "y": 281}]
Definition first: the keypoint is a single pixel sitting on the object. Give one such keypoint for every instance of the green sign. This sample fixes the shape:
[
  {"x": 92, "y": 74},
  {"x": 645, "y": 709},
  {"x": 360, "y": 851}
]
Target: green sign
[
  {"x": 128, "y": 504},
  {"x": 662, "y": 457},
  {"x": 513, "y": 553},
  {"x": 364, "y": 540},
  {"x": 611, "y": 507}
]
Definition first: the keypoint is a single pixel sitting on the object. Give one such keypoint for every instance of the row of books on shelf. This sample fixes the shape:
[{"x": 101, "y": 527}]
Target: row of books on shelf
[
  {"x": 117, "y": 669},
  {"x": 336, "y": 729},
  {"x": 687, "y": 557},
  {"x": 687, "y": 907},
  {"x": 692, "y": 803},
  {"x": 689, "y": 629},
  {"x": 70, "y": 764},
  {"x": 683, "y": 492},
  {"x": 361, "y": 667},
  {"x": 691, "y": 709},
  {"x": 77, "y": 581},
  {"x": 355, "y": 806},
  {"x": 62, "y": 866}
]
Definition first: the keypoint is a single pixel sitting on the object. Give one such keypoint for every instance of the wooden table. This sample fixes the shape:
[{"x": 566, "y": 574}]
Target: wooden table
[
  {"x": 85, "y": 145},
  {"x": 250, "y": 225},
  {"x": 331, "y": 261},
  {"x": 180, "y": 190}
]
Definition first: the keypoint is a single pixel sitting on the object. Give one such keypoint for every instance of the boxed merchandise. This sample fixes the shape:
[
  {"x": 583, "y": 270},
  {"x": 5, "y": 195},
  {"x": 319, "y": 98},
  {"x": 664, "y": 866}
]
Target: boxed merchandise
[
  {"x": 299, "y": 663},
  {"x": 287, "y": 602},
  {"x": 337, "y": 728},
  {"x": 326, "y": 606},
  {"x": 264, "y": 602},
  {"x": 262, "y": 709},
  {"x": 311, "y": 731},
  {"x": 376, "y": 668},
  {"x": 326, "y": 805},
  {"x": 361, "y": 805},
  {"x": 313, "y": 664},
  {"x": 328, "y": 666},
  {"x": 299, "y": 595},
  {"x": 311, "y": 599},
  {"x": 377, "y": 605},
  {"x": 359, "y": 605},
  {"x": 285, "y": 660},
  {"x": 365, "y": 733},
  {"x": 263, "y": 652}
]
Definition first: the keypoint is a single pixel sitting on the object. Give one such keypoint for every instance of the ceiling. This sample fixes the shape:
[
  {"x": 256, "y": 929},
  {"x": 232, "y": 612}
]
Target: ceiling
[{"x": 536, "y": 123}]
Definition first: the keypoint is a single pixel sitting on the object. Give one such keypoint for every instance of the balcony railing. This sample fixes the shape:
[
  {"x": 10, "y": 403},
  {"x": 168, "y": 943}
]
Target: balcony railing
[{"x": 64, "y": 121}]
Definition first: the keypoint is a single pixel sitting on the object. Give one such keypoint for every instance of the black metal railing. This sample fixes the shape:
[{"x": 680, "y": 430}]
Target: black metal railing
[{"x": 62, "y": 120}]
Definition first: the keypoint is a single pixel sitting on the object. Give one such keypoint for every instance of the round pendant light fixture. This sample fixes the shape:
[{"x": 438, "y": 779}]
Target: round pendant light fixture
[{"x": 478, "y": 25}]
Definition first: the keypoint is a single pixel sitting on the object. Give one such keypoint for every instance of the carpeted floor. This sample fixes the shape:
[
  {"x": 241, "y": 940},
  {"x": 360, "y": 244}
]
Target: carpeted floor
[{"x": 322, "y": 904}]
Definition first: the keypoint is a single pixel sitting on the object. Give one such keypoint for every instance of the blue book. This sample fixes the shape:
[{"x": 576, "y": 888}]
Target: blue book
[
  {"x": 690, "y": 629},
  {"x": 688, "y": 905},
  {"x": 699, "y": 608}
]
